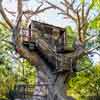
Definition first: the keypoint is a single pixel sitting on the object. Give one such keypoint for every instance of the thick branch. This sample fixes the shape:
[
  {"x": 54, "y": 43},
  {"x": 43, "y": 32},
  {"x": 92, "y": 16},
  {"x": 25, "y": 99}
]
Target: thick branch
[
  {"x": 5, "y": 16},
  {"x": 83, "y": 12},
  {"x": 96, "y": 53},
  {"x": 79, "y": 25},
  {"x": 84, "y": 23},
  {"x": 20, "y": 13}
]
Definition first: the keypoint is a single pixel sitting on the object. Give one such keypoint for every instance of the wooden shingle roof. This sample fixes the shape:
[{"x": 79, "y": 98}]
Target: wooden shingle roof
[{"x": 46, "y": 25}]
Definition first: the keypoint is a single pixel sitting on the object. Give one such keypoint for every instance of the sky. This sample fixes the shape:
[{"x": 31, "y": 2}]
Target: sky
[{"x": 50, "y": 17}]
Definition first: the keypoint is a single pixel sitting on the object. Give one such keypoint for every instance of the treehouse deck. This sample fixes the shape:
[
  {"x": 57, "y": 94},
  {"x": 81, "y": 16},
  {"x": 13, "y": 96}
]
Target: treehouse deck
[{"x": 49, "y": 42}]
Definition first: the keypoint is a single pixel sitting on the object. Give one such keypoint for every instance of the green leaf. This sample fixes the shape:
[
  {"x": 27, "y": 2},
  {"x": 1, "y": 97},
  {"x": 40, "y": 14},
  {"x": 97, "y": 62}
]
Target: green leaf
[
  {"x": 70, "y": 36},
  {"x": 95, "y": 23},
  {"x": 82, "y": 1}
]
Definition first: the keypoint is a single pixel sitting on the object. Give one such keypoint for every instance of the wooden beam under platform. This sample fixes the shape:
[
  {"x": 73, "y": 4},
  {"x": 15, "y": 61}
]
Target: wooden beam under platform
[{"x": 65, "y": 51}]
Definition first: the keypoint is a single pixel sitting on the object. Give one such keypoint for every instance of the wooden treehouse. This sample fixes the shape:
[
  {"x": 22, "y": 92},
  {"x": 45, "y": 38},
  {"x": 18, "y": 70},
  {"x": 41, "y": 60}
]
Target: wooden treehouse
[
  {"x": 50, "y": 42},
  {"x": 47, "y": 45}
]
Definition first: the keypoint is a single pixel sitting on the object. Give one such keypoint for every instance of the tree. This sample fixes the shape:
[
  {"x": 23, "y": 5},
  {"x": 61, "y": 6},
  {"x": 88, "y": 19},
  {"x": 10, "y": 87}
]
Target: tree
[
  {"x": 7, "y": 80},
  {"x": 79, "y": 14},
  {"x": 12, "y": 69},
  {"x": 85, "y": 83}
]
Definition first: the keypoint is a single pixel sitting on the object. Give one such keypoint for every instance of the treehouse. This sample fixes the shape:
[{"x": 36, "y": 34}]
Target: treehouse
[{"x": 49, "y": 41}]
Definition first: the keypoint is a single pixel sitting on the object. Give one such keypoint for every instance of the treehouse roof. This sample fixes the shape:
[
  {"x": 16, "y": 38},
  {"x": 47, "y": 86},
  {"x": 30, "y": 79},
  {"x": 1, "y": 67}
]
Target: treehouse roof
[{"x": 46, "y": 25}]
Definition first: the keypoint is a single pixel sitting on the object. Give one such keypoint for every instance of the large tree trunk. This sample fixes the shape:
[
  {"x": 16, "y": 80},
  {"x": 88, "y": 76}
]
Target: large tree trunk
[{"x": 49, "y": 86}]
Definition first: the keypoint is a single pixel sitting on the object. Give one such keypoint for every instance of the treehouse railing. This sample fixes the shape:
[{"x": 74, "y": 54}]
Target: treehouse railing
[{"x": 49, "y": 52}]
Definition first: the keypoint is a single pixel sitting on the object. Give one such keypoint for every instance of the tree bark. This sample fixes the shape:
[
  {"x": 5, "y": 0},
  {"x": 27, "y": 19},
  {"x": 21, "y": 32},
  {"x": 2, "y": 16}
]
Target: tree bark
[{"x": 54, "y": 85}]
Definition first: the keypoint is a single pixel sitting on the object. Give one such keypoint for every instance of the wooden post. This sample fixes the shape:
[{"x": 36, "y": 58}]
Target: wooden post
[{"x": 30, "y": 33}]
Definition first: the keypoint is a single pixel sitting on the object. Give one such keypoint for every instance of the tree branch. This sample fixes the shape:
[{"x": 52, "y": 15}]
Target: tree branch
[
  {"x": 96, "y": 53},
  {"x": 83, "y": 12},
  {"x": 10, "y": 12},
  {"x": 20, "y": 13},
  {"x": 36, "y": 12},
  {"x": 4, "y": 25},
  {"x": 5, "y": 16},
  {"x": 88, "y": 11},
  {"x": 69, "y": 15},
  {"x": 84, "y": 24},
  {"x": 54, "y": 6},
  {"x": 89, "y": 51},
  {"x": 38, "y": 8},
  {"x": 9, "y": 42},
  {"x": 79, "y": 25},
  {"x": 84, "y": 69},
  {"x": 63, "y": 12},
  {"x": 69, "y": 6},
  {"x": 90, "y": 38}
]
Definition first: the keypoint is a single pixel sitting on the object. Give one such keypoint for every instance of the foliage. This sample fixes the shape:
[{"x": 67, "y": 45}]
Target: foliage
[
  {"x": 95, "y": 23},
  {"x": 71, "y": 35},
  {"x": 26, "y": 73},
  {"x": 13, "y": 70},
  {"x": 86, "y": 82},
  {"x": 93, "y": 4}
]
